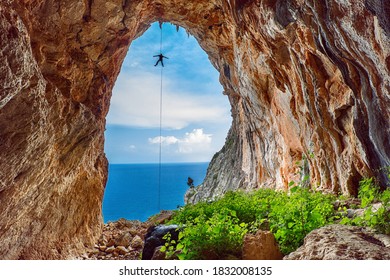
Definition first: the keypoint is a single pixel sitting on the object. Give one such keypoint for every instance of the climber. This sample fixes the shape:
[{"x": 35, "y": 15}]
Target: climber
[{"x": 160, "y": 59}]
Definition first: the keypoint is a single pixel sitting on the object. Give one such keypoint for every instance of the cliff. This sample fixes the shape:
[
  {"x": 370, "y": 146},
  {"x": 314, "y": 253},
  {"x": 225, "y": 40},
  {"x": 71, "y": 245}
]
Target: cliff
[{"x": 308, "y": 82}]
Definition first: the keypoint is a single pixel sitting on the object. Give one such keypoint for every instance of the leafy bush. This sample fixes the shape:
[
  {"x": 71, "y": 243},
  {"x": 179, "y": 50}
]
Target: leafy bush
[
  {"x": 215, "y": 230},
  {"x": 217, "y": 237},
  {"x": 368, "y": 191},
  {"x": 293, "y": 217},
  {"x": 247, "y": 206},
  {"x": 378, "y": 219}
]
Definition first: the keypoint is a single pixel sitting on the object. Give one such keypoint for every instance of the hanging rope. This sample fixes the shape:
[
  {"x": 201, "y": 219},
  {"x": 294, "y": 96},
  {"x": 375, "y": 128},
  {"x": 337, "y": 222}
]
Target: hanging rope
[{"x": 161, "y": 107}]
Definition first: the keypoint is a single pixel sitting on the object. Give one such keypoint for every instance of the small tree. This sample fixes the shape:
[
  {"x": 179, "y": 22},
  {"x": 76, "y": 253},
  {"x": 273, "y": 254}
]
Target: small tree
[{"x": 190, "y": 182}]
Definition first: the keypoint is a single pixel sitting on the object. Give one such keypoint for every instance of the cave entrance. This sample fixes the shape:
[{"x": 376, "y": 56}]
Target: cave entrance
[{"x": 195, "y": 121}]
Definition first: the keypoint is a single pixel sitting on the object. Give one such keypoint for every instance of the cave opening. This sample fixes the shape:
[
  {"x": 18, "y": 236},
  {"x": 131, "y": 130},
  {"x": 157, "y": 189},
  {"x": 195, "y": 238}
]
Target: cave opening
[{"x": 195, "y": 121}]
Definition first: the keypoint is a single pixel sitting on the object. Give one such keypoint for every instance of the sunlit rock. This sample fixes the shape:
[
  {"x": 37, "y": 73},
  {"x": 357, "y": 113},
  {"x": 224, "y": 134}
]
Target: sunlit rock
[{"x": 340, "y": 242}]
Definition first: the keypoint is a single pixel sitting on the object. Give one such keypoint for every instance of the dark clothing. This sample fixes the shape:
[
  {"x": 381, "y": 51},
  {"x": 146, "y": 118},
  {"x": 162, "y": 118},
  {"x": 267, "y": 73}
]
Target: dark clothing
[{"x": 160, "y": 59}]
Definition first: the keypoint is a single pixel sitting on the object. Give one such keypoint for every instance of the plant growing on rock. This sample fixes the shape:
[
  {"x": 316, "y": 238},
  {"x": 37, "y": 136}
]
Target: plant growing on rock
[{"x": 377, "y": 218}]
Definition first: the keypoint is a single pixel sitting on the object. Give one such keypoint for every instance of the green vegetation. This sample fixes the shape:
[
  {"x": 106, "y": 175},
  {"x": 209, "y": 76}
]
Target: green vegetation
[
  {"x": 378, "y": 217},
  {"x": 215, "y": 230},
  {"x": 215, "y": 237}
]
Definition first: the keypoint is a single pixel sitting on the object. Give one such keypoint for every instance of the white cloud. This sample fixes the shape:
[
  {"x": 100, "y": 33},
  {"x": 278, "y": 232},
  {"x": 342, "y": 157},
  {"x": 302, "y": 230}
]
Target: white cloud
[
  {"x": 192, "y": 142},
  {"x": 168, "y": 140},
  {"x": 136, "y": 102},
  {"x": 134, "y": 64},
  {"x": 129, "y": 148}
]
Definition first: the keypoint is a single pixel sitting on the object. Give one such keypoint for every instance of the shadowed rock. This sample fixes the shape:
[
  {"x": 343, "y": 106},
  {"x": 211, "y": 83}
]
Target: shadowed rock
[{"x": 154, "y": 238}]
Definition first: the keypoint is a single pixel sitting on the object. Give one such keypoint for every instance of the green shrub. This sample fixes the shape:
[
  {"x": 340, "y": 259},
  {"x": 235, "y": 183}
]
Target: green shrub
[
  {"x": 216, "y": 229},
  {"x": 289, "y": 217},
  {"x": 378, "y": 219},
  {"x": 293, "y": 217},
  {"x": 217, "y": 237},
  {"x": 368, "y": 191}
]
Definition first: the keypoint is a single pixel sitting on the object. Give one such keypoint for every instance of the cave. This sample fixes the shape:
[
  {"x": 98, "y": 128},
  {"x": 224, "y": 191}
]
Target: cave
[{"x": 305, "y": 80}]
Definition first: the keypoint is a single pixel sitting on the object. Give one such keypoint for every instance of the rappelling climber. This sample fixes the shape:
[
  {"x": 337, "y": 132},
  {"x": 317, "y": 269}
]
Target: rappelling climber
[{"x": 160, "y": 59}]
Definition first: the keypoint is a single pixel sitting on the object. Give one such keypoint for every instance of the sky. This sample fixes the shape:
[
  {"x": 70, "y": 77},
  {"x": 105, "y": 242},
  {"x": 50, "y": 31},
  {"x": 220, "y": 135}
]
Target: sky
[{"x": 195, "y": 114}]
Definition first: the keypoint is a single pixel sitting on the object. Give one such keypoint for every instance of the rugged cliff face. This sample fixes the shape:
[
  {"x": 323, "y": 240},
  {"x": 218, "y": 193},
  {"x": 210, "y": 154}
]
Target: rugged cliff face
[
  {"x": 309, "y": 88},
  {"x": 308, "y": 81}
]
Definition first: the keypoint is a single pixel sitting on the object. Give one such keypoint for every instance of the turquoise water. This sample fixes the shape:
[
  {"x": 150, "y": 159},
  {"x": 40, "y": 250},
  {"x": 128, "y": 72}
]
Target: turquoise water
[{"x": 132, "y": 190}]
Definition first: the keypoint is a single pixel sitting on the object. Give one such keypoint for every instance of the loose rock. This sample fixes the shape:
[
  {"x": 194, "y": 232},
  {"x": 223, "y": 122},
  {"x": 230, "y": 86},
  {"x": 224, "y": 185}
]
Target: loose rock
[
  {"x": 124, "y": 240},
  {"x": 121, "y": 250},
  {"x": 119, "y": 241},
  {"x": 110, "y": 250},
  {"x": 137, "y": 242}
]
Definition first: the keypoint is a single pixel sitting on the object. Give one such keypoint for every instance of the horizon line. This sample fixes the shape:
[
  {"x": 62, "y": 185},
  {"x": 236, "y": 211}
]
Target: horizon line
[{"x": 173, "y": 162}]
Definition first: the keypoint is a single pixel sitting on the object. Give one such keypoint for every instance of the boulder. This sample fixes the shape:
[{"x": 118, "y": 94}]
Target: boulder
[
  {"x": 154, "y": 238},
  {"x": 261, "y": 246},
  {"x": 340, "y": 242}
]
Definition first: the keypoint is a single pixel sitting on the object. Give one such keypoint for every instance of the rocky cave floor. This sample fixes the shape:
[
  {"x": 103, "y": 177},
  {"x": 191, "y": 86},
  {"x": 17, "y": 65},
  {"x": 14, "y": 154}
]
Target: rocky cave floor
[{"x": 123, "y": 239}]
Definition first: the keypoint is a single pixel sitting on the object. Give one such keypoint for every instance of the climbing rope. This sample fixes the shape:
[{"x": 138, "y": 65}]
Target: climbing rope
[{"x": 161, "y": 109}]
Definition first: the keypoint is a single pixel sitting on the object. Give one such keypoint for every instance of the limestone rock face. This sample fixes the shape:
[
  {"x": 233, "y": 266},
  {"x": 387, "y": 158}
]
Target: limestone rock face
[
  {"x": 339, "y": 242},
  {"x": 308, "y": 81}
]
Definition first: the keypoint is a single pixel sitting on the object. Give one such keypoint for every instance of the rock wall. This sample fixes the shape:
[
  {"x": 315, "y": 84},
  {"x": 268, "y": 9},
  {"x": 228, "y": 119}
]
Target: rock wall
[
  {"x": 52, "y": 166},
  {"x": 308, "y": 81},
  {"x": 309, "y": 86}
]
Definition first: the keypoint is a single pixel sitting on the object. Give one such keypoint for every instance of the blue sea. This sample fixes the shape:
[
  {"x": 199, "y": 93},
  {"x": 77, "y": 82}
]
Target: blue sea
[{"x": 133, "y": 191}]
